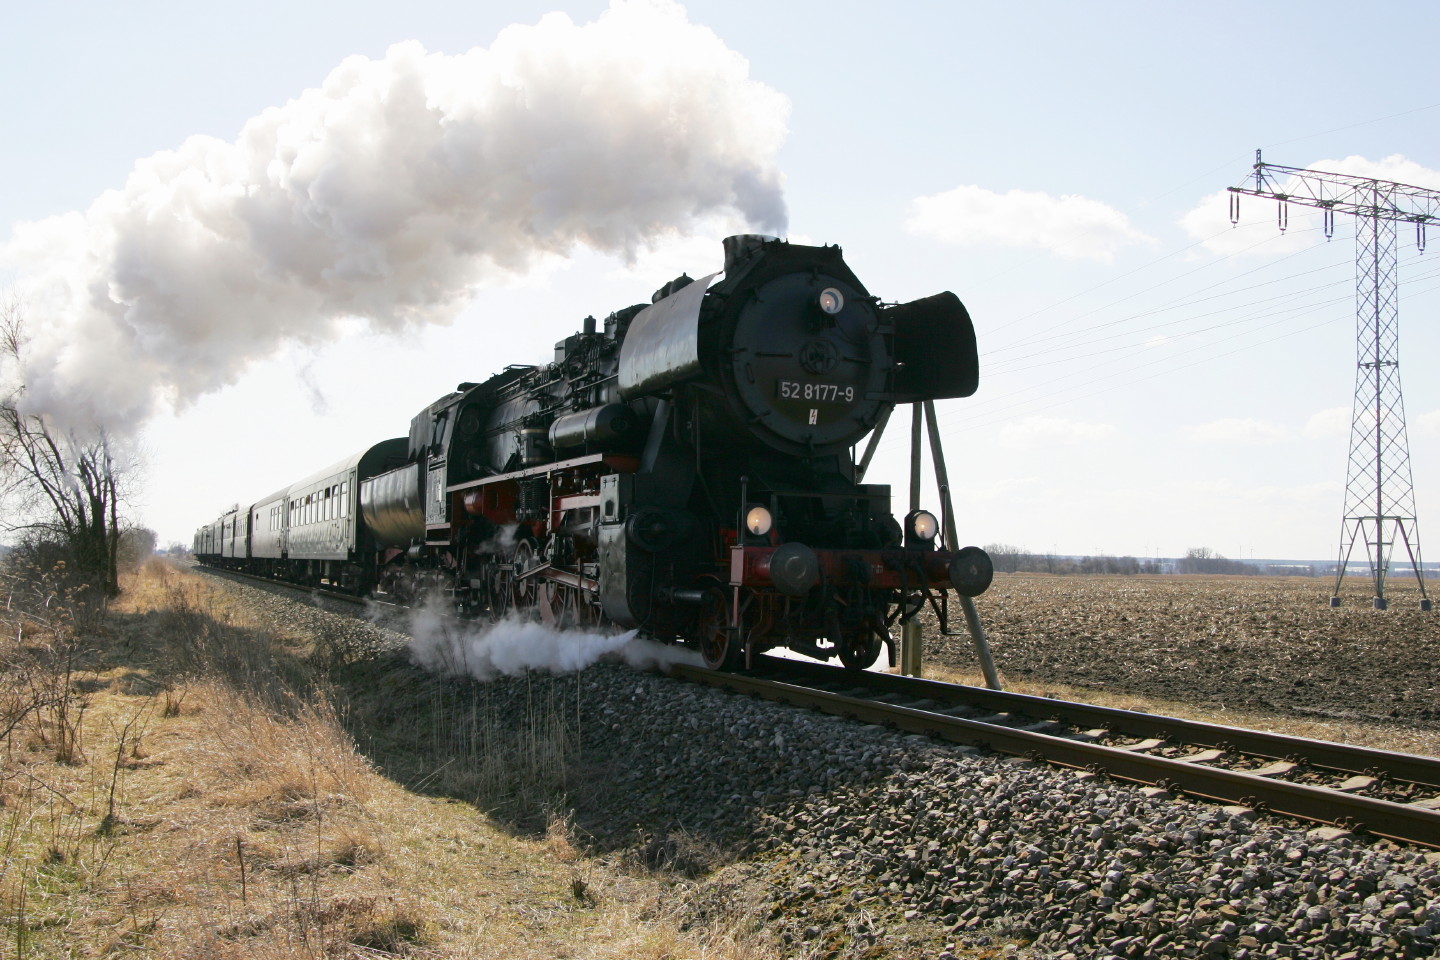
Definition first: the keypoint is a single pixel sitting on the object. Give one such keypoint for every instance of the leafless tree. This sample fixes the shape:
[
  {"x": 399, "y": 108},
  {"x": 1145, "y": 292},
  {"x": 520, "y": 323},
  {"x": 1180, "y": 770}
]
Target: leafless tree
[
  {"x": 1007, "y": 557},
  {"x": 1205, "y": 560},
  {"x": 61, "y": 490}
]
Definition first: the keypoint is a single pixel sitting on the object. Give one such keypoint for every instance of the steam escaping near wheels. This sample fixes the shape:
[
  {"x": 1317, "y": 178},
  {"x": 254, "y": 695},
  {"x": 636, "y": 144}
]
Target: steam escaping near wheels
[{"x": 513, "y": 647}]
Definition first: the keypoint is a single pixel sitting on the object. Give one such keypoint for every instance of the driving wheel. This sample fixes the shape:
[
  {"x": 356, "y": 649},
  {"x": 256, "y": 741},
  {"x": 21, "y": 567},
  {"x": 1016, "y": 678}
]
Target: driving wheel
[
  {"x": 525, "y": 592},
  {"x": 719, "y": 646},
  {"x": 859, "y": 649}
]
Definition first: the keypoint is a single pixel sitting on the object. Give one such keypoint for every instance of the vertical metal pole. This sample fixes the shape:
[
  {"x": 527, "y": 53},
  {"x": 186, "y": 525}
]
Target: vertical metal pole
[
  {"x": 1382, "y": 558},
  {"x": 879, "y": 431},
  {"x": 915, "y": 456},
  {"x": 911, "y": 660},
  {"x": 952, "y": 543}
]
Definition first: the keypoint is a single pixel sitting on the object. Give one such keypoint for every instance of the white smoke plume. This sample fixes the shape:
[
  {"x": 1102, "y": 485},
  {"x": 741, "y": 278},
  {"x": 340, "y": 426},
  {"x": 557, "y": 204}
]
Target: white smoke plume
[
  {"x": 514, "y": 647},
  {"x": 389, "y": 193}
]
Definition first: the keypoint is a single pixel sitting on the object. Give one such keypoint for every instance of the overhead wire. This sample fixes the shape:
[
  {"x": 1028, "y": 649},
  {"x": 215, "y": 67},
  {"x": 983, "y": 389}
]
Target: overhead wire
[
  {"x": 1074, "y": 338},
  {"x": 1301, "y": 303}
]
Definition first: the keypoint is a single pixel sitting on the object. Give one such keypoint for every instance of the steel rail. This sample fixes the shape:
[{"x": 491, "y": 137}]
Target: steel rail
[
  {"x": 306, "y": 588},
  {"x": 1276, "y": 746},
  {"x": 1396, "y": 821},
  {"x": 1406, "y": 823}
]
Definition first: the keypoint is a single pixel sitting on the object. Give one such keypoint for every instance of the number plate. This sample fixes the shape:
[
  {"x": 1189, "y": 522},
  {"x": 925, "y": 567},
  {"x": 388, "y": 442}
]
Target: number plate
[{"x": 817, "y": 392}]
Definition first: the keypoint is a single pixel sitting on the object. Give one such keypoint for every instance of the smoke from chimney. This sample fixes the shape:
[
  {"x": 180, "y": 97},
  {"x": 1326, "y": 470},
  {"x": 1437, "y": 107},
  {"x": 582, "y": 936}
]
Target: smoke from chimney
[{"x": 390, "y": 193}]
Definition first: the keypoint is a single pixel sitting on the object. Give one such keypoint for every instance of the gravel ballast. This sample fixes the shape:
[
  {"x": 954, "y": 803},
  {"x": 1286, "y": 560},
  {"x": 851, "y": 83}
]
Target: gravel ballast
[{"x": 863, "y": 842}]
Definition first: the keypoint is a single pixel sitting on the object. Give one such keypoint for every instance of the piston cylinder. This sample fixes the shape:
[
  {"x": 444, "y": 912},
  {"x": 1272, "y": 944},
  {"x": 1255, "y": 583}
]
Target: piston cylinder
[{"x": 605, "y": 424}]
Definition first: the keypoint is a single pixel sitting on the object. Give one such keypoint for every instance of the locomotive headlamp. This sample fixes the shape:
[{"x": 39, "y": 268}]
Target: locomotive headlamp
[
  {"x": 758, "y": 521},
  {"x": 831, "y": 301},
  {"x": 920, "y": 530},
  {"x": 924, "y": 524}
]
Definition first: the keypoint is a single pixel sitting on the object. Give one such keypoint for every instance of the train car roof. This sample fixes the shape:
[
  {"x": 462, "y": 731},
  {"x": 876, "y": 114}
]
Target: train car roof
[{"x": 369, "y": 461}]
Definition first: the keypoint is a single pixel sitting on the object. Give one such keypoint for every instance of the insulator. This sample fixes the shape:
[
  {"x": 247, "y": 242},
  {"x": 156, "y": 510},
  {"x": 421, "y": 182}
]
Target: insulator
[
  {"x": 1328, "y": 220},
  {"x": 1420, "y": 235},
  {"x": 1234, "y": 209},
  {"x": 1282, "y": 215}
]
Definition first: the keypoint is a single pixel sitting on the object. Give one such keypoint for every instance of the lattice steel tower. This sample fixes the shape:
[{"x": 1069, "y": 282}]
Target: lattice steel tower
[{"x": 1379, "y": 488}]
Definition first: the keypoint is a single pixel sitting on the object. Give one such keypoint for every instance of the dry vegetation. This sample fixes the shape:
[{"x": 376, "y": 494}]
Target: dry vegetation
[
  {"x": 1250, "y": 651},
  {"x": 182, "y": 780},
  {"x": 177, "y": 782}
]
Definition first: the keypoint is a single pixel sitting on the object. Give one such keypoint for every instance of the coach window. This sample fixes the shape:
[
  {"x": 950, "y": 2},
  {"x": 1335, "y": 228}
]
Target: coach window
[{"x": 345, "y": 499}]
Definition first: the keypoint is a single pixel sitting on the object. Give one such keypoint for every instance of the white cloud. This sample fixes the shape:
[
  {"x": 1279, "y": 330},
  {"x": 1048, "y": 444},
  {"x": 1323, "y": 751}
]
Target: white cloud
[
  {"x": 1068, "y": 226},
  {"x": 1258, "y": 232},
  {"x": 1032, "y": 433},
  {"x": 1426, "y": 424},
  {"x": 1334, "y": 422},
  {"x": 390, "y": 193},
  {"x": 1237, "y": 432}
]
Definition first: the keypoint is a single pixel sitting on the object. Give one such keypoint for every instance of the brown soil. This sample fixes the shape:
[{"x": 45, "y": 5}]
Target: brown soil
[{"x": 1257, "y": 644}]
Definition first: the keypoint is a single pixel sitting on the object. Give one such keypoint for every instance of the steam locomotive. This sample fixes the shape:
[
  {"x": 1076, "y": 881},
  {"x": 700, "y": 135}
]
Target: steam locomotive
[{"x": 687, "y": 469}]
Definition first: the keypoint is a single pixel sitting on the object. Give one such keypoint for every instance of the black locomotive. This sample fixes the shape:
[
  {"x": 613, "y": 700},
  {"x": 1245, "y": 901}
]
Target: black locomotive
[{"x": 688, "y": 470}]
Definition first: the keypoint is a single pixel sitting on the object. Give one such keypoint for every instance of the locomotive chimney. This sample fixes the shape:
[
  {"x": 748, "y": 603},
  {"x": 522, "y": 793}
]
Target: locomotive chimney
[
  {"x": 741, "y": 246},
  {"x": 589, "y": 325}
]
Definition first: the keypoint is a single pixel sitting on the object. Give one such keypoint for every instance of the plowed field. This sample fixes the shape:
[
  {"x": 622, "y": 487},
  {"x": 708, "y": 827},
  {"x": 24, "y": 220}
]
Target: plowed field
[{"x": 1234, "y": 642}]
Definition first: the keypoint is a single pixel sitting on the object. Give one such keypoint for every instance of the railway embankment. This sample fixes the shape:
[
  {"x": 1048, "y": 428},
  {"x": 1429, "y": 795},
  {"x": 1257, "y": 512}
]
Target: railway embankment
[
  {"x": 179, "y": 780},
  {"x": 615, "y": 812},
  {"x": 850, "y": 841}
]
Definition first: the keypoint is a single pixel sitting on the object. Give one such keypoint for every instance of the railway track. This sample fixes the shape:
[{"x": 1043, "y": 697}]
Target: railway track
[
  {"x": 1391, "y": 795},
  {"x": 307, "y": 590}
]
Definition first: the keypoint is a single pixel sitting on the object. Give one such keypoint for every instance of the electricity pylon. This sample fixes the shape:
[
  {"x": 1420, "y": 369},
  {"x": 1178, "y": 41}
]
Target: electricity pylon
[{"x": 1379, "y": 488}]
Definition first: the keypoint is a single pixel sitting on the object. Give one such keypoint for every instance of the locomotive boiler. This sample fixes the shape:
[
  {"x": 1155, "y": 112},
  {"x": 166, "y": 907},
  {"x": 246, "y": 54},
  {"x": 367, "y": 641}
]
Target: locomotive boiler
[{"x": 685, "y": 468}]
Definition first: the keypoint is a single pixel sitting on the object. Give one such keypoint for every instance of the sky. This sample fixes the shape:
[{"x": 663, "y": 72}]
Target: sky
[{"x": 260, "y": 239}]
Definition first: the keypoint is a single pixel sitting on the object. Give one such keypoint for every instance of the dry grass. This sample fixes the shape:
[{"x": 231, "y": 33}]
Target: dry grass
[{"x": 210, "y": 803}]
